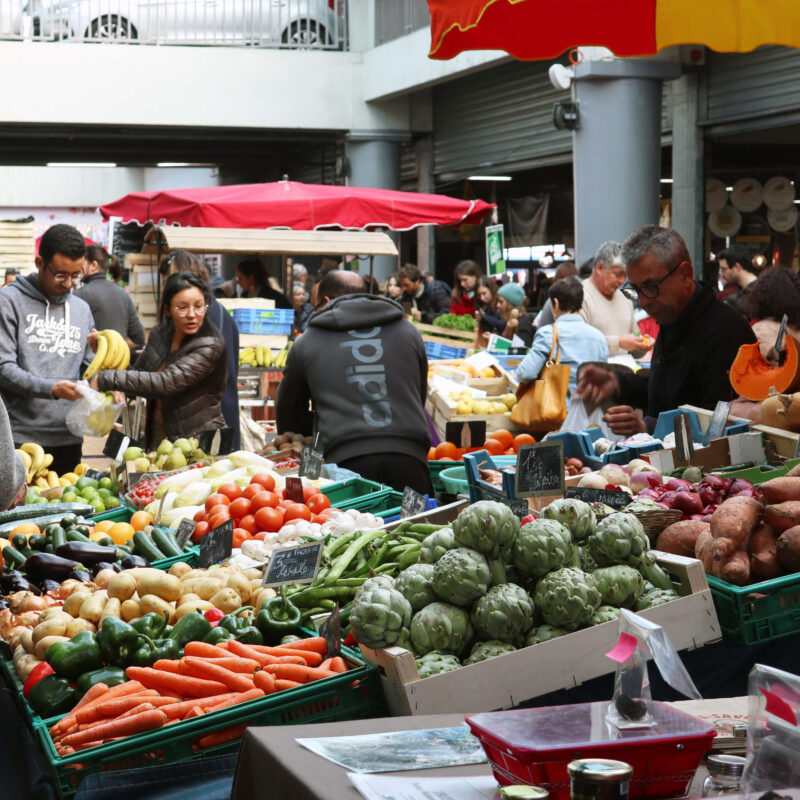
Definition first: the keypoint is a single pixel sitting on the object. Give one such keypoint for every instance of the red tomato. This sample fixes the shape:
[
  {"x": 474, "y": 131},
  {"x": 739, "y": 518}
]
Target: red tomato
[
  {"x": 284, "y": 504},
  {"x": 318, "y": 502},
  {"x": 239, "y": 508},
  {"x": 200, "y": 531},
  {"x": 231, "y": 490},
  {"x": 215, "y": 520},
  {"x": 263, "y": 479},
  {"x": 324, "y": 515},
  {"x": 216, "y": 499},
  {"x": 252, "y": 490},
  {"x": 200, "y": 515},
  {"x": 240, "y": 535},
  {"x": 269, "y": 519},
  {"x": 261, "y": 535},
  {"x": 263, "y": 499},
  {"x": 249, "y": 523},
  {"x": 310, "y": 491},
  {"x": 297, "y": 511}
]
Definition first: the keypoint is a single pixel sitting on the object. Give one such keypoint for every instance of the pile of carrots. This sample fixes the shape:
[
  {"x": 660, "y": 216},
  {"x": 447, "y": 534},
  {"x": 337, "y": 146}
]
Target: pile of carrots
[{"x": 208, "y": 678}]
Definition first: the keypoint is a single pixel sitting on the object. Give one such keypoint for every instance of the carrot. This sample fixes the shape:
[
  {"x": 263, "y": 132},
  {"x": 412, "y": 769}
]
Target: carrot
[
  {"x": 129, "y": 713},
  {"x": 178, "y": 710},
  {"x": 264, "y": 680},
  {"x": 208, "y": 669},
  {"x": 336, "y": 664},
  {"x": 204, "y": 650},
  {"x": 168, "y": 665},
  {"x": 94, "y": 691},
  {"x": 294, "y": 672},
  {"x": 183, "y": 684},
  {"x": 119, "y": 705},
  {"x": 243, "y": 697},
  {"x": 249, "y": 651},
  {"x": 121, "y": 690},
  {"x": 282, "y": 684},
  {"x": 316, "y": 644},
  {"x": 146, "y": 721},
  {"x": 220, "y": 737},
  {"x": 247, "y": 666},
  {"x": 310, "y": 657}
]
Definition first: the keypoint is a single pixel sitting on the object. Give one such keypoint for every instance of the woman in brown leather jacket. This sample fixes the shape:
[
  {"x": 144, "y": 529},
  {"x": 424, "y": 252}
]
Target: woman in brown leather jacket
[{"x": 182, "y": 370}]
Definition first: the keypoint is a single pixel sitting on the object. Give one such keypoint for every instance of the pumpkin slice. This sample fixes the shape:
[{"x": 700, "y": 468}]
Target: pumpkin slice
[{"x": 752, "y": 376}]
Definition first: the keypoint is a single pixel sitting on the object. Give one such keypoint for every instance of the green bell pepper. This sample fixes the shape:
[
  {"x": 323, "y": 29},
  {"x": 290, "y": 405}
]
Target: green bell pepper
[
  {"x": 151, "y": 651},
  {"x": 53, "y": 696},
  {"x": 118, "y": 640},
  {"x": 249, "y": 635},
  {"x": 152, "y": 624},
  {"x": 191, "y": 627},
  {"x": 71, "y": 659},
  {"x": 278, "y": 617},
  {"x": 110, "y": 676},
  {"x": 218, "y": 635},
  {"x": 241, "y": 627}
]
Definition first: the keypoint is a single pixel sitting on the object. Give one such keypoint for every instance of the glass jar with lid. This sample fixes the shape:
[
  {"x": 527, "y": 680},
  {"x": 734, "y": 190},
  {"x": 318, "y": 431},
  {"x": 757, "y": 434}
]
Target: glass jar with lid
[
  {"x": 724, "y": 775},
  {"x": 599, "y": 779}
]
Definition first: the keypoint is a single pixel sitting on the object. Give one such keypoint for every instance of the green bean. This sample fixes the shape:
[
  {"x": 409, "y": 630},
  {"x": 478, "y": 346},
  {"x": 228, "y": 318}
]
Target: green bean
[
  {"x": 425, "y": 528},
  {"x": 343, "y": 561},
  {"x": 392, "y": 565},
  {"x": 411, "y": 557}
]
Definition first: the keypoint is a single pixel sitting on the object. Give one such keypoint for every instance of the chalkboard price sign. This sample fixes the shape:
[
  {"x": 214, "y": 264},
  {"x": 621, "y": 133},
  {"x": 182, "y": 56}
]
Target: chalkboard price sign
[
  {"x": 610, "y": 497},
  {"x": 518, "y": 505},
  {"x": 294, "y": 564},
  {"x": 185, "y": 531},
  {"x": 540, "y": 470},
  {"x": 96, "y": 474},
  {"x": 413, "y": 503},
  {"x": 216, "y": 545},
  {"x": 310, "y": 463},
  {"x": 117, "y": 443},
  {"x": 294, "y": 490},
  {"x": 465, "y": 434}
]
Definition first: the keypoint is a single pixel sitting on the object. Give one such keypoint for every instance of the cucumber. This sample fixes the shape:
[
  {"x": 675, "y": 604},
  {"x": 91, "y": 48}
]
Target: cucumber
[
  {"x": 145, "y": 547},
  {"x": 37, "y": 542},
  {"x": 165, "y": 543},
  {"x": 33, "y": 510},
  {"x": 82, "y": 528},
  {"x": 76, "y": 535},
  {"x": 58, "y": 536},
  {"x": 106, "y": 541},
  {"x": 13, "y": 557},
  {"x": 7, "y": 527}
]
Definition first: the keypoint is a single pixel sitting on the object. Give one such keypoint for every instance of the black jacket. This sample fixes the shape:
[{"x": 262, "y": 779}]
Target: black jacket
[
  {"x": 190, "y": 385},
  {"x": 691, "y": 359},
  {"x": 219, "y": 315},
  {"x": 112, "y": 307},
  {"x": 433, "y": 302},
  {"x": 364, "y": 367}
]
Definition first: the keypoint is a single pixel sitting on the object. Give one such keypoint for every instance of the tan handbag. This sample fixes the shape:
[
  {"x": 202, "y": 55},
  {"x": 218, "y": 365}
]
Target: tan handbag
[{"x": 542, "y": 404}]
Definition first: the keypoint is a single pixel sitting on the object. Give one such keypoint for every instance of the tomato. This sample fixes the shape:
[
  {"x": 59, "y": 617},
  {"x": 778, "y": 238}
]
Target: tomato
[
  {"x": 200, "y": 531},
  {"x": 318, "y": 502},
  {"x": 215, "y": 520},
  {"x": 252, "y": 490},
  {"x": 200, "y": 515},
  {"x": 249, "y": 523},
  {"x": 310, "y": 491},
  {"x": 216, "y": 499},
  {"x": 269, "y": 519},
  {"x": 263, "y": 479},
  {"x": 239, "y": 508},
  {"x": 261, "y": 535},
  {"x": 231, "y": 490},
  {"x": 263, "y": 499},
  {"x": 284, "y": 504},
  {"x": 324, "y": 515},
  {"x": 297, "y": 511},
  {"x": 240, "y": 535}
]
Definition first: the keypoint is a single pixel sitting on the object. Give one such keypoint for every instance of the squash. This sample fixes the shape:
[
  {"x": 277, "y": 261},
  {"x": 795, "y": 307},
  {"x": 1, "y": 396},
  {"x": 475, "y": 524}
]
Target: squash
[
  {"x": 781, "y": 411},
  {"x": 752, "y": 376}
]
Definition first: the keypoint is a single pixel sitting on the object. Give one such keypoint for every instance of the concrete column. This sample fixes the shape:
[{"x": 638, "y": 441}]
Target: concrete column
[
  {"x": 688, "y": 195},
  {"x": 616, "y": 149},
  {"x": 374, "y": 162},
  {"x": 426, "y": 239}
]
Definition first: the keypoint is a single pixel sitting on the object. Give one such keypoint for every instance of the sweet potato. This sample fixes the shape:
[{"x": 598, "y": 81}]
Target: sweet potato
[
  {"x": 702, "y": 549},
  {"x": 794, "y": 472},
  {"x": 779, "y": 490},
  {"x": 788, "y": 548},
  {"x": 736, "y": 568},
  {"x": 681, "y": 537},
  {"x": 735, "y": 519},
  {"x": 763, "y": 553},
  {"x": 782, "y": 516}
]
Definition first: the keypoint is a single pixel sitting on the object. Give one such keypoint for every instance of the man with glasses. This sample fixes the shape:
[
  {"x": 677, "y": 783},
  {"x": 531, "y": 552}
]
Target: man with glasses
[
  {"x": 44, "y": 350},
  {"x": 696, "y": 345}
]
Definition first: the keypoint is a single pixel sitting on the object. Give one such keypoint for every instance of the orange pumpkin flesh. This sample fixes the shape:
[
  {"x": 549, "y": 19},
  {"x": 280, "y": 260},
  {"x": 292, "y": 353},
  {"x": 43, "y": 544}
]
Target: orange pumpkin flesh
[{"x": 752, "y": 377}]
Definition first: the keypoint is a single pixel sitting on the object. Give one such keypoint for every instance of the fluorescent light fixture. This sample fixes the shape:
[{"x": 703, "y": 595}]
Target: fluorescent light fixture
[
  {"x": 489, "y": 178},
  {"x": 81, "y": 164},
  {"x": 181, "y": 164},
  {"x": 729, "y": 188},
  {"x": 666, "y": 180}
]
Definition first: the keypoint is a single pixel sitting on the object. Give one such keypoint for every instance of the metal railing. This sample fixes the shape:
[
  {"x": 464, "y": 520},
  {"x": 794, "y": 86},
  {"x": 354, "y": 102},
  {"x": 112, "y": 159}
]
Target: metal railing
[
  {"x": 292, "y": 24},
  {"x": 396, "y": 18}
]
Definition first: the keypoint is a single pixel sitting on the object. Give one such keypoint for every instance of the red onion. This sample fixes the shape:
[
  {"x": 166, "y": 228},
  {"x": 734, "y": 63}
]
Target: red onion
[
  {"x": 688, "y": 502},
  {"x": 716, "y": 483},
  {"x": 675, "y": 483},
  {"x": 696, "y": 516},
  {"x": 668, "y": 498},
  {"x": 742, "y": 486},
  {"x": 651, "y": 493},
  {"x": 708, "y": 495}
]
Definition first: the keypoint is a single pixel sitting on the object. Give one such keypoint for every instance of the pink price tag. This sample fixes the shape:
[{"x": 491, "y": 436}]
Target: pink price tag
[
  {"x": 778, "y": 707},
  {"x": 623, "y": 649}
]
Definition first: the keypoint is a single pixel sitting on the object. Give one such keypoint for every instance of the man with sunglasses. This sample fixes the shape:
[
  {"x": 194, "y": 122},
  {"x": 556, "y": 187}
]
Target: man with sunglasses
[
  {"x": 44, "y": 348},
  {"x": 696, "y": 345}
]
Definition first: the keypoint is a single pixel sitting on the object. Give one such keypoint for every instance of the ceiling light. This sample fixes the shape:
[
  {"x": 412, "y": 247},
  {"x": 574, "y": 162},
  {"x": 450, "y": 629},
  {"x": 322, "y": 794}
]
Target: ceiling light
[
  {"x": 489, "y": 178},
  {"x": 181, "y": 164},
  {"x": 81, "y": 164},
  {"x": 666, "y": 180}
]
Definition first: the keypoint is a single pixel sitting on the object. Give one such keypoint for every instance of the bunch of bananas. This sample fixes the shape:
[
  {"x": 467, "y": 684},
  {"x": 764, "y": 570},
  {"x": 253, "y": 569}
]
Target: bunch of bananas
[
  {"x": 112, "y": 353},
  {"x": 280, "y": 360},
  {"x": 37, "y": 466},
  {"x": 255, "y": 356}
]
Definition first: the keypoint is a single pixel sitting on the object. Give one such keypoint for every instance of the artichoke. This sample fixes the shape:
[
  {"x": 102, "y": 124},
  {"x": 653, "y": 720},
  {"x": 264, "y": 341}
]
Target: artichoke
[
  {"x": 435, "y": 545},
  {"x": 642, "y": 504},
  {"x": 435, "y": 663},
  {"x": 604, "y": 614},
  {"x": 655, "y": 597},
  {"x": 415, "y": 583},
  {"x": 573, "y": 514},
  {"x": 647, "y": 564},
  {"x": 544, "y": 633},
  {"x": 619, "y": 585},
  {"x": 490, "y": 528},
  {"x": 542, "y": 546},
  {"x": 443, "y": 627},
  {"x": 461, "y": 576},
  {"x": 586, "y": 559},
  {"x": 505, "y": 612},
  {"x": 379, "y": 613},
  {"x": 618, "y": 537},
  {"x": 481, "y": 651},
  {"x": 567, "y": 598}
]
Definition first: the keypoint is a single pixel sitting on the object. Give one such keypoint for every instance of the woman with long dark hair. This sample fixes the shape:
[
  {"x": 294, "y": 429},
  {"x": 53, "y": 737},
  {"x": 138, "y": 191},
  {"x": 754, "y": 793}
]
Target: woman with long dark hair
[{"x": 462, "y": 300}]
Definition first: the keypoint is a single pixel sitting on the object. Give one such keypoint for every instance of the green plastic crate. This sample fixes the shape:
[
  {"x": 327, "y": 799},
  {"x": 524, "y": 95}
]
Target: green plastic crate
[
  {"x": 435, "y": 468},
  {"x": 758, "y": 612},
  {"x": 328, "y": 700},
  {"x": 761, "y": 473},
  {"x": 353, "y": 493},
  {"x": 386, "y": 504},
  {"x": 120, "y": 514},
  {"x": 14, "y": 685}
]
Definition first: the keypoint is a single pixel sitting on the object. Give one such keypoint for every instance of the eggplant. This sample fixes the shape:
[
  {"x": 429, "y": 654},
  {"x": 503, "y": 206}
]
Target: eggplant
[
  {"x": 16, "y": 582},
  {"x": 101, "y": 565},
  {"x": 48, "y": 585},
  {"x": 132, "y": 561},
  {"x": 80, "y": 575},
  {"x": 44, "y": 565},
  {"x": 86, "y": 553}
]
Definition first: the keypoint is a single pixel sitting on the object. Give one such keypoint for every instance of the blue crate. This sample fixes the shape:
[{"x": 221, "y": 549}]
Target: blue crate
[
  {"x": 264, "y": 321},
  {"x": 436, "y": 351}
]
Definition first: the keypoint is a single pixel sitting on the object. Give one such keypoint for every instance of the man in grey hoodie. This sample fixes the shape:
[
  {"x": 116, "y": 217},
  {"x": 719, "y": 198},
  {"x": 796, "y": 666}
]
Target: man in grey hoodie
[{"x": 44, "y": 347}]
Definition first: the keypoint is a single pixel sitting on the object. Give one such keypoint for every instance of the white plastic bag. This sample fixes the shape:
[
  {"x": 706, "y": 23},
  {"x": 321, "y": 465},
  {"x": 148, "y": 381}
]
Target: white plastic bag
[{"x": 94, "y": 415}]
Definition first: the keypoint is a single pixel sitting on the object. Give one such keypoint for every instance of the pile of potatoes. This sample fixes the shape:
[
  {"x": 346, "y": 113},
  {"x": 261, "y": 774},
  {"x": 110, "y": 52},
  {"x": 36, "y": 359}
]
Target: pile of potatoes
[{"x": 288, "y": 443}]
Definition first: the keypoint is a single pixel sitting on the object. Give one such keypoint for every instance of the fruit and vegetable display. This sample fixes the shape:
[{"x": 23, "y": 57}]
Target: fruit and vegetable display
[
  {"x": 487, "y": 585},
  {"x": 467, "y": 403},
  {"x": 782, "y": 411},
  {"x": 37, "y": 466},
  {"x": 112, "y": 353},
  {"x": 460, "y": 365},
  {"x": 168, "y": 456},
  {"x": 287, "y": 442},
  {"x": 99, "y": 493},
  {"x": 262, "y": 356},
  {"x": 457, "y": 322},
  {"x": 499, "y": 443}
]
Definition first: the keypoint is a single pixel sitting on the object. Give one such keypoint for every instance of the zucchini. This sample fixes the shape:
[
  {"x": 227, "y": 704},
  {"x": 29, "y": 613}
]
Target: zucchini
[
  {"x": 13, "y": 557},
  {"x": 83, "y": 528},
  {"x": 106, "y": 541},
  {"x": 58, "y": 536},
  {"x": 69, "y": 520},
  {"x": 146, "y": 548},
  {"x": 33, "y": 510},
  {"x": 19, "y": 540},
  {"x": 76, "y": 535},
  {"x": 165, "y": 543},
  {"x": 37, "y": 542}
]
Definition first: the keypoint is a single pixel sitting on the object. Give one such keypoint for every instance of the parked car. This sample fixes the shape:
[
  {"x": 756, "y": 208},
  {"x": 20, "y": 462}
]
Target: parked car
[{"x": 293, "y": 23}]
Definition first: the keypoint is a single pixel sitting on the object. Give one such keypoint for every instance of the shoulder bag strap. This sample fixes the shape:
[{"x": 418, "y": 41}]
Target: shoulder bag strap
[{"x": 555, "y": 348}]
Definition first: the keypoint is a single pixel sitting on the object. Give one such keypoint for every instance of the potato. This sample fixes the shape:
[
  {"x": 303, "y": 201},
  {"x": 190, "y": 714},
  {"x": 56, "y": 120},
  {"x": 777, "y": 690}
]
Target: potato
[
  {"x": 783, "y": 516},
  {"x": 122, "y": 586},
  {"x": 253, "y": 574},
  {"x": 72, "y": 605},
  {"x": 184, "y": 608},
  {"x": 153, "y": 603},
  {"x": 240, "y": 585},
  {"x": 104, "y": 577},
  {"x": 735, "y": 519},
  {"x": 92, "y": 607},
  {"x": 161, "y": 584},
  {"x": 205, "y": 588},
  {"x": 130, "y": 610},
  {"x": 194, "y": 573},
  {"x": 179, "y": 569},
  {"x": 112, "y": 608},
  {"x": 226, "y": 600},
  {"x": 79, "y": 624},
  {"x": 40, "y": 648},
  {"x": 762, "y": 547},
  {"x": 681, "y": 537},
  {"x": 50, "y": 613},
  {"x": 788, "y": 549},
  {"x": 778, "y": 490},
  {"x": 190, "y": 597},
  {"x": 54, "y": 626}
]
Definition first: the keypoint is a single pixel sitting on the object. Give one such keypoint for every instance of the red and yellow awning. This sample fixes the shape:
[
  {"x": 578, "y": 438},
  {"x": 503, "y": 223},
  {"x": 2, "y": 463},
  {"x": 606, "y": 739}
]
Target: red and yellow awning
[{"x": 541, "y": 29}]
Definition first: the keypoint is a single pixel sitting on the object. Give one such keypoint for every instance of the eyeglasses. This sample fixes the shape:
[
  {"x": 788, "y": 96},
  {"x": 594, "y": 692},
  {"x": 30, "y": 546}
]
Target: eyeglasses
[
  {"x": 63, "y": 277},
  {"x": 647, "y": 290},
  {"x": 184, "y": 311}
]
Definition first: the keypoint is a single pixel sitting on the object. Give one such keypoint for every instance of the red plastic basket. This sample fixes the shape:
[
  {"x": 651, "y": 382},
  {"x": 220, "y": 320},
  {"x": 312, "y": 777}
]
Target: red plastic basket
[{"x": 664, "y": 758}]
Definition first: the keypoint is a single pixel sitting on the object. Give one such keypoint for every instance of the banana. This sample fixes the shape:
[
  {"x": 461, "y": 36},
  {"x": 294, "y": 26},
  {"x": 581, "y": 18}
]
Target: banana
[
  {"x": 48, "y": 459},
  {"x": 112, "y": 356},
  {"x": 41, "y": 483},
  {"x": 52, "y": 479},
  {"x": 99, "y": 358},
  {"x": 64, "y": 481},
  {"x": 70, "y": 477},
  {"x": 120, "y": 349},
  {"x": 126, "y": 357},
  {"x": 80, "y": 469},
  {"x": 37, "y": 454},
  {"x": 26, "y": 459}
]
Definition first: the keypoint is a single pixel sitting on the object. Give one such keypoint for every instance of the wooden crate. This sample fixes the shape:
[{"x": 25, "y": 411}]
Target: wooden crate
[
  {"x": 561, "y": 663},
  {"x": 17, "y": 246},
  {"x": 448, "y": 336},
  {"x": 501, "y": 383}
]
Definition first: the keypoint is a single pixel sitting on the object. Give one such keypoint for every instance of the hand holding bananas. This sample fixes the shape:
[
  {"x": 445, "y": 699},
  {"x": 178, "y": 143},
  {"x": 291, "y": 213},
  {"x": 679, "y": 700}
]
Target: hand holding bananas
[{"x": 111, "y": 352}]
